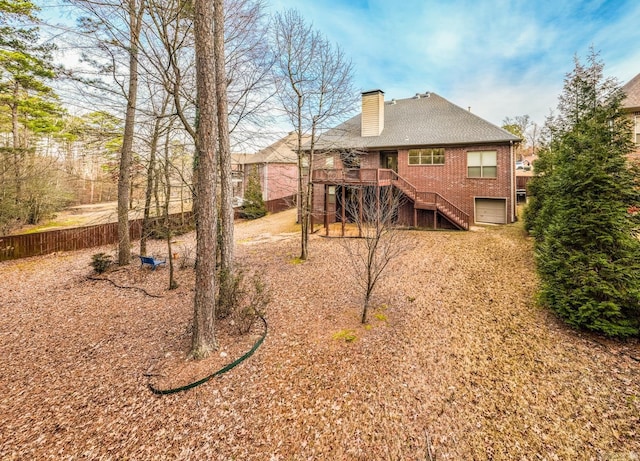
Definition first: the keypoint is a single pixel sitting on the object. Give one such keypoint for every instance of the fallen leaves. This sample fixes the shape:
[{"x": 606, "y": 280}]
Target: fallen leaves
[{"x": 459, "y": 352}]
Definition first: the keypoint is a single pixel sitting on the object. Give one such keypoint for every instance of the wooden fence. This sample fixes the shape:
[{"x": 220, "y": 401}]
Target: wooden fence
[
  {"x": 281, "y": 204},
  {"x": 42, "y": 243},
  {"x": 522, "y": 181}
]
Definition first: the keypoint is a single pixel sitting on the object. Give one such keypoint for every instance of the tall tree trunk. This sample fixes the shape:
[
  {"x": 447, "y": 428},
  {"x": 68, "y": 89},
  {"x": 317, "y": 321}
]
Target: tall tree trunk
[
  {"x": 226, "y": 185},
  {"x": 15, "y": 132},
  {"x": 156, "y": 192},
  {"x": 302, "y": 191},
  {"x": 124, "y": 177},
  {"x": 308, "y": 196},
  {"x": 146, "y": 222},
  {"x": 203, "y": 340},
  {"x": 167, "y": 221}
]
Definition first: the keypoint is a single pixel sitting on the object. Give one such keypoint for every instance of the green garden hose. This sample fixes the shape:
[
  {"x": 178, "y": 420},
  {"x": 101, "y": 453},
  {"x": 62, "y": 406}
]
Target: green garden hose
[{"x": 217, "y": 373}]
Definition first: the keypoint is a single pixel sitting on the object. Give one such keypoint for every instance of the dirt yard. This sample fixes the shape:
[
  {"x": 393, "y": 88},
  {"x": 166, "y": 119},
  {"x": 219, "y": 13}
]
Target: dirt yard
[{"x": 456, "y": 359}]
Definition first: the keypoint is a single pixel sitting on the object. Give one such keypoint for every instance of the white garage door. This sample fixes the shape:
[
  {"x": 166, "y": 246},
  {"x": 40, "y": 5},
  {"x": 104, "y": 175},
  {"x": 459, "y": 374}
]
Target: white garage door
[{"x": 491, "y": 210}]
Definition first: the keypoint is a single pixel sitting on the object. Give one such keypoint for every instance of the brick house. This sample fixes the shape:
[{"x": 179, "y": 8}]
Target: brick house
[
  {"x": 277, "y": 167},
  {"x": 452, "y": 167},
  {"x": 631, "y": 106}
]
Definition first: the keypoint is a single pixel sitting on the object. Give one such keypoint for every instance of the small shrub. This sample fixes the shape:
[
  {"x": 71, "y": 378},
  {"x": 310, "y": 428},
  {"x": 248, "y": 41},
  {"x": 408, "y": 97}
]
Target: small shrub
[
  {"x": 230, "y": 293},
  {"x": 248, "y": 301},
  {"x": 187, "y": 259},
  {"x": 101, "y": 262}
]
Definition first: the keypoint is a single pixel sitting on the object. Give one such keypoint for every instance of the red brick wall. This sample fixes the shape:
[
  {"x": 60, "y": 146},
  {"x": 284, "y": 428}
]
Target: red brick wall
[
  {"x": 318, "y": 204},
  {"x": 372, "y": 161},
  {"x": 450, "y": 180},
  {"x": 425, "y": 218},
  {"x": 281, "y": 180}
]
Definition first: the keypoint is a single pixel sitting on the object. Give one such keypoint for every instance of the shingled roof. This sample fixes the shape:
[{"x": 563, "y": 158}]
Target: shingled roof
[
  {"x": 281, "y": 151},
  {"x": 424, "y": 120},
  {"x": 632, "y": 90}
]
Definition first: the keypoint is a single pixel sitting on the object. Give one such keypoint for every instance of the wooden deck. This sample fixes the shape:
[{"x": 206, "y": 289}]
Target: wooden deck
[
  {"x": 354, "y": 177},
  {"x": 379, "y": 177}
]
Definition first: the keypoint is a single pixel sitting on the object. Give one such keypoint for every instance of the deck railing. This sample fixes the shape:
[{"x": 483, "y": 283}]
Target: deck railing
[
  {"x": 377, "y": 176},
  {"x": 452, "y": 211},
  {"x": 352, "y": 175}
]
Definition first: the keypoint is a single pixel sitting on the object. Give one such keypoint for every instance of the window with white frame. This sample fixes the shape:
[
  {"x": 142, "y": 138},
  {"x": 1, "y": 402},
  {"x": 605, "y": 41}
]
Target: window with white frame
[
  {"x": 331, "y": 191},
  {"x": 328, "y": 162},
  {"x": 426, "y": 156},
  {"x": 482, "y": 164}
]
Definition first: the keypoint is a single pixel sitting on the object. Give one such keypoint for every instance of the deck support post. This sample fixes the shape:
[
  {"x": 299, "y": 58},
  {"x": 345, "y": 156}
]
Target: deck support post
[
  {"x": 343, "y": 217},
  {"x": 360, "y": 212},
  {"x": 311, "y": 211},
  {"x": 390, "y": 201},
  {"x": 326, "y": 211},
  {"x": 378, "y": 190}
]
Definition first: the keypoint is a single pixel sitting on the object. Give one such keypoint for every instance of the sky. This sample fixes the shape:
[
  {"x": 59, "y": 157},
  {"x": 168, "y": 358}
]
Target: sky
[{"x": 500, "y": 58}]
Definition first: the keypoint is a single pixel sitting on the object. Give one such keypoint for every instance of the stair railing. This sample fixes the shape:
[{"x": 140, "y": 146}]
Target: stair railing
[{"x": 449, "y": 209}]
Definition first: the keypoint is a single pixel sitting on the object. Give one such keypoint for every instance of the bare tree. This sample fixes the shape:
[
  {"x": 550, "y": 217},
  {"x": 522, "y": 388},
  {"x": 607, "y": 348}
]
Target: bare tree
[
  {"x": 317, "y": 90},
  {"x": 167, "y": 201},
  {"x": 247, "y": 61},
  {"x": 533, "y": 136},
  {"x": 118, "y": 25},
  {"x": 156, "y": 134},
  {"x": 136, "y": 10},
  {"x": 203, "y": 340},
  {"x": 374, "y": 211},
  {"x": 525, "y": 128}
]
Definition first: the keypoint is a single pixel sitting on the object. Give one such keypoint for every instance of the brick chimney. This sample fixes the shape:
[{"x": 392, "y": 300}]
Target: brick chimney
[{"x": 372, "y": 113}]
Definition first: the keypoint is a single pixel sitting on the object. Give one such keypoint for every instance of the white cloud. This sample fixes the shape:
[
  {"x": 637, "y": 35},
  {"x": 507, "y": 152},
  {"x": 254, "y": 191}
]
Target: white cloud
[{"x": 503, "y": 58}]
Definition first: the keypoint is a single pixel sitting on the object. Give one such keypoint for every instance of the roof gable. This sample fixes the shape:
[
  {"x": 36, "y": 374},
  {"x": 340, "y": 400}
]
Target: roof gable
[
  {"x": 424, "y": 120},
  {"x": 281, "y": 151},
  {"x": 632, "y": 91}
]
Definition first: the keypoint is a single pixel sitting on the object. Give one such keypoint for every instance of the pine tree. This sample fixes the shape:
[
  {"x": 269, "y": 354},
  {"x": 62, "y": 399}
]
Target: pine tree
[
  {"x": 28, "y": 107},
  {"x": 588, "y": 258},
  {"x": 254, "y": 206}
]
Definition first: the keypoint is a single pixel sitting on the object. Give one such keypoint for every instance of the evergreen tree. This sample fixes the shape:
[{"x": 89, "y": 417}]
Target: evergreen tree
[
  {"x": 28, "y": 108},
  {"x": 539, "y": 187},
  {"x": 588, "y": 258},
  {"x": 26, "y": 70},
  {"x": 254, "y": 206}
]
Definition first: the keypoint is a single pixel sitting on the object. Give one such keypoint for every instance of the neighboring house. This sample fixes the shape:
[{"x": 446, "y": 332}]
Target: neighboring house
[
  {"x": 453, "y": 167},
  {"x": 524, "y": 172},
  {"x": 277, "y": 167},
  {"x": 631, "y": 106}
]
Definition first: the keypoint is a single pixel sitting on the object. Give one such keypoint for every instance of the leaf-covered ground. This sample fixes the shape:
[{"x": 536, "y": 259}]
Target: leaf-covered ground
[{"x": 456, "y": 356}]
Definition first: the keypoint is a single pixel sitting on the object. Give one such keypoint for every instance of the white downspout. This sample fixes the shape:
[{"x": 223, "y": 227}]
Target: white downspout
[
  {"x": 512, "y": 174},
  {"x": 265, "y": 173}
]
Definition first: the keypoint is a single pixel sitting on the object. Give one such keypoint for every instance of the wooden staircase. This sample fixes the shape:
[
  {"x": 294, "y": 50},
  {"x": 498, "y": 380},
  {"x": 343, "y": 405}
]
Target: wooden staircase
[
  {"x": 386, "y": 177},
  {"x": 432, "y": 201}
]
